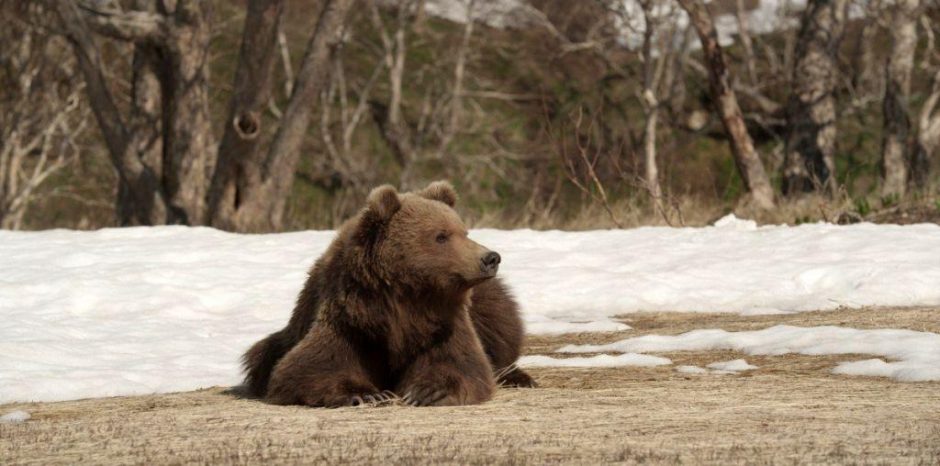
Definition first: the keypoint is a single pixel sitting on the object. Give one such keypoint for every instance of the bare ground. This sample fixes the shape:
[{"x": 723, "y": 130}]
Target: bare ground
[{"x": 790, "y": 410}]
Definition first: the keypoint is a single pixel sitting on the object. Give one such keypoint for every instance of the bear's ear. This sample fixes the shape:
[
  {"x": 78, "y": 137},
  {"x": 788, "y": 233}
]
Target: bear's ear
[
  {"x": 441, "y": 191},
  {"x": 383, "y": 202}
]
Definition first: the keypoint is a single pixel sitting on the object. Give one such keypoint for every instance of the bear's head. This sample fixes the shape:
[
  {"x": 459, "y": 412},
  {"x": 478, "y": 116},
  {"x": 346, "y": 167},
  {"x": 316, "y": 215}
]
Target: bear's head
[{"x": 418, "y": 241}]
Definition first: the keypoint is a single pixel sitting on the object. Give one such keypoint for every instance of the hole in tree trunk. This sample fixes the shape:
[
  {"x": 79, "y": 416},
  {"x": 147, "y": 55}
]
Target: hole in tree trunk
[{"x": 247, "y": 125}]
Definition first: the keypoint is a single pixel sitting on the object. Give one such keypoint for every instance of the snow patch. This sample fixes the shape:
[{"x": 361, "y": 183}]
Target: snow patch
[
  {"x": 14, "y": 417},
  {"x": 730, "y": 222},
  {"x": 916, "y": 355},
  {"x": 600, "y": 360},
  {"x": 541, "y": 325},
  {"x": 737, "y": 365},
  {"x": 904, "y": 372},
  {"x": 150, "y": 310},
  {"x": 497, "y": 14},
  {"x": 691, "y": 370}
]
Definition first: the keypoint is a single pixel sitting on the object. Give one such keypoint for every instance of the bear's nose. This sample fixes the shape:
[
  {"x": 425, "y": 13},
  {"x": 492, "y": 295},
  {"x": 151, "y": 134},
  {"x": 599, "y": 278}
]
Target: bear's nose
[{"x": 490, "y": 262}]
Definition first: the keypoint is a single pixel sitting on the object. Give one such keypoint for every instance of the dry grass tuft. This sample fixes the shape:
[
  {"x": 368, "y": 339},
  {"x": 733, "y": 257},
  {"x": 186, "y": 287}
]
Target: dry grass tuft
[{"x": 791, "y": 410}]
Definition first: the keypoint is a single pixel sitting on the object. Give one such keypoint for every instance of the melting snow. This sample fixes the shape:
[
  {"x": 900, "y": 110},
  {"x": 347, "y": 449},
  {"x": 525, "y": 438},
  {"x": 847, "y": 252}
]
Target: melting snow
[
  {"x": 144, "y": 310},
  {"x": 691, "y": 370},
  {"x": 737, "y": 365},
  {"x": 600, "y": 360},
  {"x": 14, "y": 417},
  {"x": 915, "y": 355}
]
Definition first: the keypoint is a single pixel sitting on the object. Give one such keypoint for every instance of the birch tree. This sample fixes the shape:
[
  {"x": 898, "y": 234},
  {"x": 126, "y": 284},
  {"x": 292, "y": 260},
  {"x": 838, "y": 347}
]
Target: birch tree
[
  {"x": 897, "y": 120},
  {"x": 746, "y": 159},
  {"x": 42, "y": 117},
  {"x": 809, "y": 152}
]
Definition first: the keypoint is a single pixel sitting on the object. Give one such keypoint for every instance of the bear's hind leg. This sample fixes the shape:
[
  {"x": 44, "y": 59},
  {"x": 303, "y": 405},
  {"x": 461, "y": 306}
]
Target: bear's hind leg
[
  {"x": 514, "y": 376},
  {"x": 260, "y": 360},
  {"x": 495, "y": 316}
]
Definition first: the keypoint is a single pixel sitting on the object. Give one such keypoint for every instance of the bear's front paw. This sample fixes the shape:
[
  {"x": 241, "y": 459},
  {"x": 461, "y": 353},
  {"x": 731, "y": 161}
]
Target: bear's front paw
[
  {"x": 372, "y": 399},
  {"x": 426, "y": 395}
]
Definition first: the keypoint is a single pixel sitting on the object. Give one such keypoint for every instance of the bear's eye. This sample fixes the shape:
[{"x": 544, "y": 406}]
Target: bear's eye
[{"x": 441, "y": 237}]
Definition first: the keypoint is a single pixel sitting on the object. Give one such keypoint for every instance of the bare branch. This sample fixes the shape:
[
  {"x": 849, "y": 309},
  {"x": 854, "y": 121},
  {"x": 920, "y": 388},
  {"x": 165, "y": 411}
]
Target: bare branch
[
  {"x": 745, "y": 36},
  {"x": 37, "y": 131},
  {"x": 450, "y": 129},
  {"x": 134, "y": 26},
  {"x": 102, "y": 103},
  {"x": 285, "y": 61},
  {"x": 283, "y": 155},
  {"x": 361, "y": 106},
  {"x": 598, "y": 193}
]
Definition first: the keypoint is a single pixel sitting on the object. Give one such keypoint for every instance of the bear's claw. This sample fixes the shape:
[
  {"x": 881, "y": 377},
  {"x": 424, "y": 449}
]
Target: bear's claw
[
  {"x": 373, "y": 399},
  {"x": 424, "y": 396},
  {"x": 382, "y": 397}
]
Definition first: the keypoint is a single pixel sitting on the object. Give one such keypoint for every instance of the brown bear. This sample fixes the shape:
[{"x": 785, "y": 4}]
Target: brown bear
[{"x": 402, "y": 303}]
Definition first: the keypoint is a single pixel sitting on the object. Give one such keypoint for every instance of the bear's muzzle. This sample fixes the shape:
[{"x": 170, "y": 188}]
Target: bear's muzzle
[{"x": 489, "y": 263}]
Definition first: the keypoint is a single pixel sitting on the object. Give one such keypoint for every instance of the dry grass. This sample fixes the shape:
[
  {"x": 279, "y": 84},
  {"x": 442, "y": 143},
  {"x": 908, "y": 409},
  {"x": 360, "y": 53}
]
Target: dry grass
[
  {"x": 698, "y": 211},
  {"x": 790, "y": 410},
  {"x": 672, "y": 323}
]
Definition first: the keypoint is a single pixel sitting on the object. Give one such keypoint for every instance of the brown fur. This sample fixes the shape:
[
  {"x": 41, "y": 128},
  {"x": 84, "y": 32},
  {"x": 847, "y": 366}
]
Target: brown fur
[{"x": 388, "y": 308}]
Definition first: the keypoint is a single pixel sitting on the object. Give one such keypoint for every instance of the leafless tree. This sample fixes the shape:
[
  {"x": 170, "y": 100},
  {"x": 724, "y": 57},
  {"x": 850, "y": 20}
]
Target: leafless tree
[
  {"x": 455, "y": 108},
  {"x": 746, "y": 158},
  {"x": 344, "y": 108},
  {"x": 580, "y": 167},
  {"x": 927, "y": 140},
  {"x": 170, "y": 50},
  {"x": 41, "y": 119},
  {"x": 658, "y": 55},
  {"x": 394, "y": 46},
  {"x": 750, "y": 61},
  {"x": 171, "y": 170},
  {"x": 811, "y": 109},
  {"x": 251, "y": 185},
  {"x": 431, "y": 132},
  {"x": 868, "y": 77},
  {"x": 897, "y": 120}
]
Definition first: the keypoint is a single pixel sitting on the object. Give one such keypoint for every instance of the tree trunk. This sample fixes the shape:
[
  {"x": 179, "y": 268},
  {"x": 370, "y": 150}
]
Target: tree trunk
[
  {"x": 811, "y": 110},
  {"x": 170, "y": 74},
  {"x": 652, "y": 75},
  {"x": 867, "y": 77},
  {"x": 145, "y": 134},
  {"x": 165, "y": 153},
  {"x": 897, "y": 122},
  {"x": 928, "y": 136},
  {"x": 749, "y": 58},
  {"x": 649, "y": 152},
  {"x": 746, "y": 158},
  {"x": 145, "y": 130},
  {"x": 190, "y": 148},
  {"x": 262, "y": 207},
  {"x": 142, "y": 199},
  {"x": 238, "y": 170}
]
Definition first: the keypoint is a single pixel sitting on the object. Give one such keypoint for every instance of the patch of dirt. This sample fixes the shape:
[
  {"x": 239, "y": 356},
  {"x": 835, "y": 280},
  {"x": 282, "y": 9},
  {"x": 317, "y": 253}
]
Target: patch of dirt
[
  {"x": 921, "y": 319},
  {"x": 907, "y": 215},
  {"x": 790, "y": 410}
]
